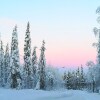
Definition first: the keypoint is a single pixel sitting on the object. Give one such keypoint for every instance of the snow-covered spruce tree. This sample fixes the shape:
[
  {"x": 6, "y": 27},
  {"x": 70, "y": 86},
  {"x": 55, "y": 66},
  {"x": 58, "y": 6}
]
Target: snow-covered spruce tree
[
  {"x": 73, "y": 82},
  {"x": 82, "y": 78},
  {"x": 6, "y": 65},
  {"x": 78, "y": 78},
  {"x": 28, "y": 80},
  {"x": 65, "y": 79},
  {"x": 15, "y": 75},
  {"x": 69, "y": 83},
  {"x": 41, "y": 68},
  {"x": 34, "y": 67},
  {"x": 1, "y": 65}
]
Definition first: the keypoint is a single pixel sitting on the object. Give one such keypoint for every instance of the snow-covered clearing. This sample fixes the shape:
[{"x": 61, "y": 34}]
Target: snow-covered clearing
[{"x": 7, "y": 94}]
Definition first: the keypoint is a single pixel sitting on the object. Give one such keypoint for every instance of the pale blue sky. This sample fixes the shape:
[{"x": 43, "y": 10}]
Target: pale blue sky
[{"x": 66, "y": 26}]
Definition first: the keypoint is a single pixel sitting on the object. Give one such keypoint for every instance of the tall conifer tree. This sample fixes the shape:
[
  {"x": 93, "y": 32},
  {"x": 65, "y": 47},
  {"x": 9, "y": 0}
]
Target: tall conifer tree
[
  {"x": 15, "y": 63},
  {"x": 34, "y": 67},
  {"x": 42, "y": 65},
  {"x": 6, "y": 65},
  {"x": 1, "y": 64},
  {"x": 27, "y": 59}
]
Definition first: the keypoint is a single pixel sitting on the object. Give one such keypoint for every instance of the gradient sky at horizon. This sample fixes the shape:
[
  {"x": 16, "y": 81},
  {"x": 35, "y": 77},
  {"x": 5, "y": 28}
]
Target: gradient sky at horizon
[{"x": 65, "y": 25}]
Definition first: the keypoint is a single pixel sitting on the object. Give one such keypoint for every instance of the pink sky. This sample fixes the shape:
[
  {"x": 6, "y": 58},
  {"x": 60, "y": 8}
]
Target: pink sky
[{"x": 66, "y": 26}]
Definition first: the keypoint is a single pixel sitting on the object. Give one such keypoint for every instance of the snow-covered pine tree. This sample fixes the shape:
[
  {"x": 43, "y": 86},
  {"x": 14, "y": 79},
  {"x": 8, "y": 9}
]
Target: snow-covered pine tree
[
  {"x": 1, "y": 65},
  {"x": 65, "y": 79},
  {"x": 78, "y": 78},
  {"x": 68, "y": 80},
  {"x": 82, "y": 78},
  {"x": 34, "y": 67},
  {"x": 15, "y": 63},
  {"x": 64, "y": 76},
  {"x": 28, "y": 81},
  {"x": 6, "y": 65},
  {"x": 41, "y": 66},
  {"x": 73, "y": 82}
]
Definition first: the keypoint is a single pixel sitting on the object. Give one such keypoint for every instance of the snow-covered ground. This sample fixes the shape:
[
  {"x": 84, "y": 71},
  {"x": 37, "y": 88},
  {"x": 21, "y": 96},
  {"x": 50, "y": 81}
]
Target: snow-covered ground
[{"x": 7, "y": 94}]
